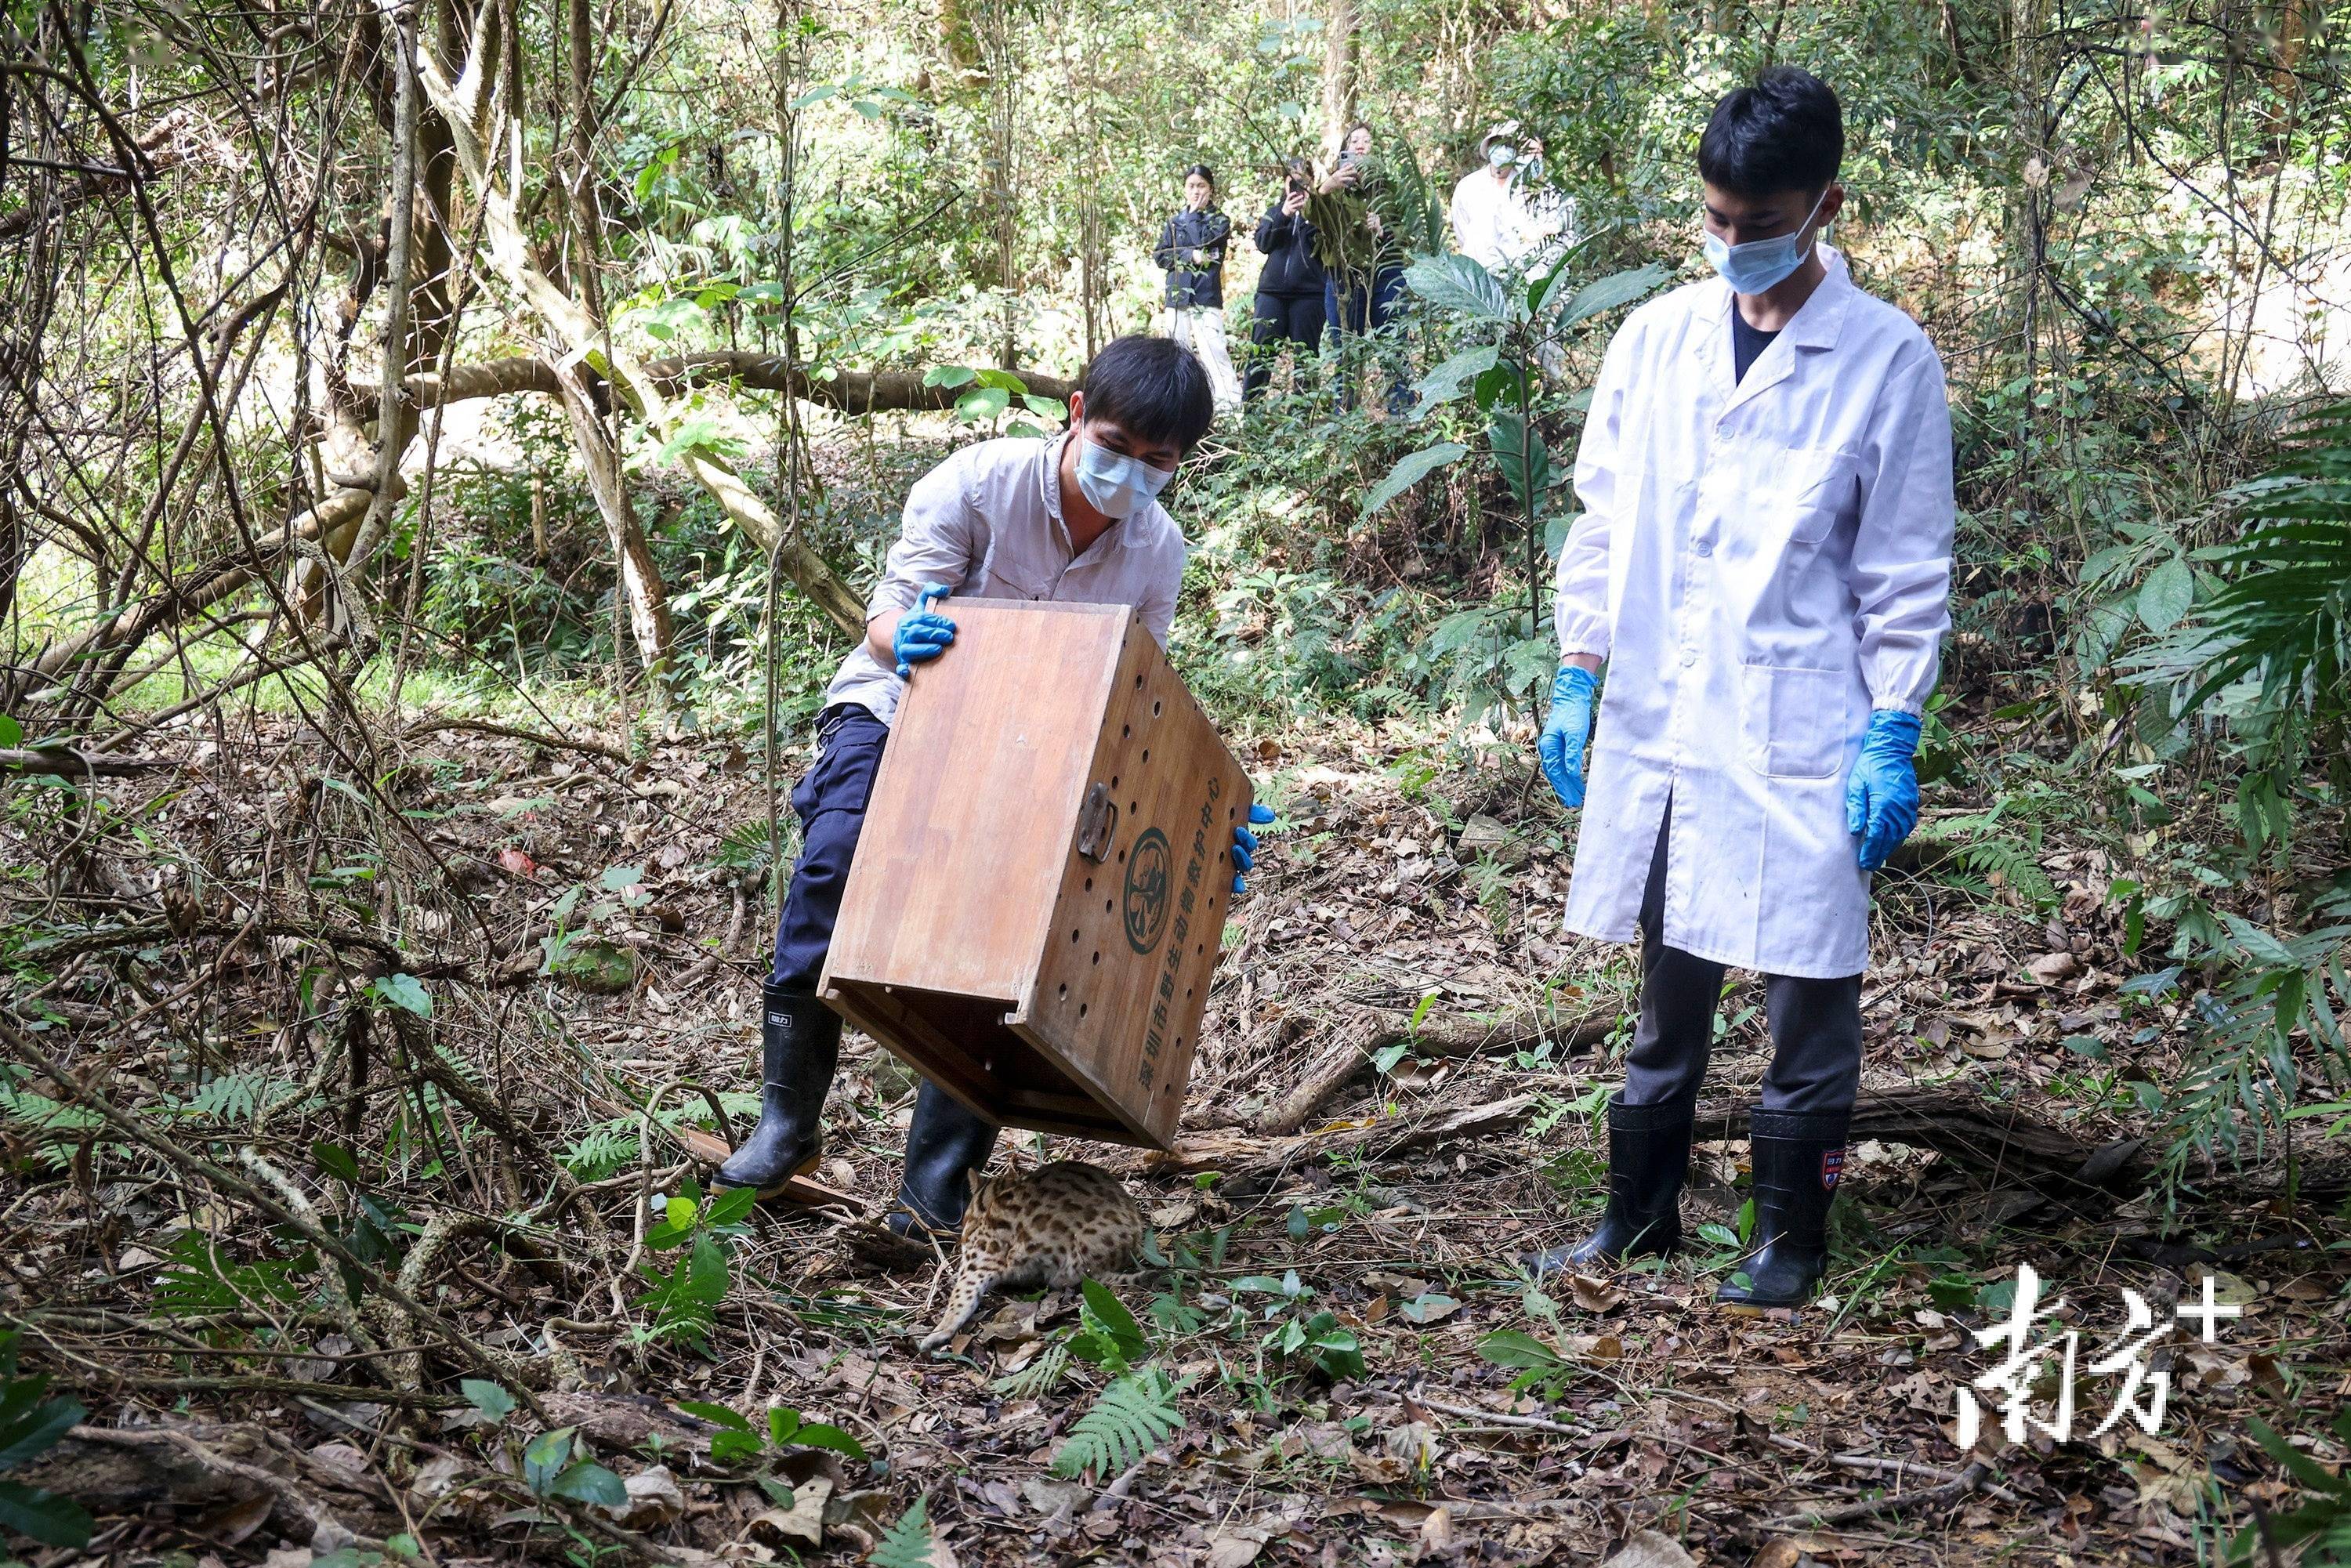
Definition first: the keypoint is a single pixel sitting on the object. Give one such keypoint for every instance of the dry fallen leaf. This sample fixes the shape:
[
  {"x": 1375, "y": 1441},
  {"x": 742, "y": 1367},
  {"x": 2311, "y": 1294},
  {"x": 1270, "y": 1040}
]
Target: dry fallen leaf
[
  {"x": 1594, "y": 1295},
  {"x": 803, "y": 1521},
  {"x": 1647, "y": 1549},
  {"x": 1234, "y": 1549},
  {"x": 1778, "y": 1553},
  {"x": 2050, "y": 967},
  {"x": 1437, "y": 1534}
]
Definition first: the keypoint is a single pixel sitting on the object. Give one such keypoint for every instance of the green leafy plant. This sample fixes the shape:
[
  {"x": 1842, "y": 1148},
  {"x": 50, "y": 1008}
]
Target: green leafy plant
[
  {"x": 684, "y": 1299},
  {"x": 1135, "y": 1414},
  {"x": 738, "y": 1440},
  {"x": 1108, "y": 1336},
  {"x": 1311, "y": 1342},
  {"x": 909, "y": 1543},
  {"x": 1539, "y": 1369},
  {"x": 29, "y": 1427},
  {"x": 1521, "y": 331},
  {"x": 2320, "y": 1523},
  {"x": 558, "y": 1465}
]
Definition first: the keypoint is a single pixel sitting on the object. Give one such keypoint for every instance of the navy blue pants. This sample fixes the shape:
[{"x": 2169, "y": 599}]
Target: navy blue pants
[
  {"x": 1815, "y": 1024},
  {"x": 829, "y": 800}
]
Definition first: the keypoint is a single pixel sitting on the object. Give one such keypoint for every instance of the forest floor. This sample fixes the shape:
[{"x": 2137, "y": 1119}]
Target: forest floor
[{"x": 1342, "y": 1256}]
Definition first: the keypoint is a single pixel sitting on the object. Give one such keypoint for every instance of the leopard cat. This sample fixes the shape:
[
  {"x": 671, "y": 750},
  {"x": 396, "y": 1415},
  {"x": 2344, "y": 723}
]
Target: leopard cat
[{"x": 1054, "y": 1226}]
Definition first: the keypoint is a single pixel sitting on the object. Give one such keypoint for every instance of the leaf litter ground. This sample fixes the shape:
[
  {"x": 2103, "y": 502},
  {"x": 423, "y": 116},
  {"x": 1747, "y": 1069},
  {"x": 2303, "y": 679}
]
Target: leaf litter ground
[{"x": 1361, "y": 1373}]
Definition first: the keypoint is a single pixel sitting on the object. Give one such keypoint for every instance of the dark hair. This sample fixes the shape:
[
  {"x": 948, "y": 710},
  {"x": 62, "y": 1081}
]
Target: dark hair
[
  {"x": 1204, "y": 172},
  {"x": 1151, "y": 388},
  {"x": 1784, "y": 133}
]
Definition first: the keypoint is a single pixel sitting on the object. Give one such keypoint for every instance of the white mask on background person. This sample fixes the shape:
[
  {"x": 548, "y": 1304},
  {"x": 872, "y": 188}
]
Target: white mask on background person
[
  {"x": 1113, "y": 484},
  {"x": 1501, "y": 156},
  {"x": 1761, "y": 265}
]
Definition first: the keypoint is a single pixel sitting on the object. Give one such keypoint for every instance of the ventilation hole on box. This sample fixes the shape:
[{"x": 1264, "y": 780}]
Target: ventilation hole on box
[
  {"x": 1155, "y": 710},
  {"x": 1073, "y": 935},
  {"x": 1146, "y": 757},
  {"x": 1138, "y": 683},
  {"x": 1065, "y": 993},
  {"x": 1109, "y": 904},
  {"x": 1097, "y": 954},
  {"x": 1132, "y": 807},
  {"x": 1187, "y": 993},
  {"x": 1090, "y": 884},
  {"x": 1082, "y": 1010},
  {"x": 1125, "y": 730}
]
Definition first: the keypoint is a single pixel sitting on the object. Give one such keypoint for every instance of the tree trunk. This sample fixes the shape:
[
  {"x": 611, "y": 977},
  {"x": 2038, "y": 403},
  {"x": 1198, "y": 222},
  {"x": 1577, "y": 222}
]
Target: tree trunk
[
  {"x": 479, "y": 126},
  {"x": 1338, "y": 71}
]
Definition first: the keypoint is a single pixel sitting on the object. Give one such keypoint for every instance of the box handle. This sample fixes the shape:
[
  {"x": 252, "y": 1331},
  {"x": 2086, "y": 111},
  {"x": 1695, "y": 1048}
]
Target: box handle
[{"x": 1097, "y": 822}]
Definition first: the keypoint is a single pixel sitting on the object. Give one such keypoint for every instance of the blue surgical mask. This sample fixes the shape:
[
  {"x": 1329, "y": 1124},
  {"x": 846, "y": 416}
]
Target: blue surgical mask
[
  {"x": 1113, "y": 484},
  {"x": 1761, "y": 264},
  {"x": 1501, "y": 155}
]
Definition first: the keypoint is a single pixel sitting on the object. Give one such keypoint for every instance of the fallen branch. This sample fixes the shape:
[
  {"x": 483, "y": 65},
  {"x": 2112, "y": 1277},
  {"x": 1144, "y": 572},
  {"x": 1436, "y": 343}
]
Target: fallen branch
[
  {"x": 850, "y": 391},
  {"x": 588, "y": 743},
  {"x": 2000, "y": 1140},
  {"x": 1352, "y": 1058},
  {"x": 326, "y": 1532},
  {"x": 1950, "y": 1492},
  {"x": 66, "y": 762}
]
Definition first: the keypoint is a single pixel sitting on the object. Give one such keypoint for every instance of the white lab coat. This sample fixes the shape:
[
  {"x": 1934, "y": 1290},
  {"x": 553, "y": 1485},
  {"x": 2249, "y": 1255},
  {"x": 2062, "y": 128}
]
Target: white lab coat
[{"x": 1761, "y": 565}]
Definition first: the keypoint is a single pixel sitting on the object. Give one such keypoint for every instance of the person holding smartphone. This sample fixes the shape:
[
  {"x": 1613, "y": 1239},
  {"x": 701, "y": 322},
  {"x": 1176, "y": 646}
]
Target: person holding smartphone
[
  {"x": 1192, "y": 249},
  {"x": 1290, "y": 288}
]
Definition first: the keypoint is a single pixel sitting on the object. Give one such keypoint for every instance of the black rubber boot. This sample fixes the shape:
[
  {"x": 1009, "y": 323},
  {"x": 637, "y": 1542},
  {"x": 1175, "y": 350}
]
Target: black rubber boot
[
  {"x": 946, "y": 1144},
  {"x": 1797, "y": 1157},
  {"x": 800, "y": 1046},
  {"x": 1648, "y": 1158}
]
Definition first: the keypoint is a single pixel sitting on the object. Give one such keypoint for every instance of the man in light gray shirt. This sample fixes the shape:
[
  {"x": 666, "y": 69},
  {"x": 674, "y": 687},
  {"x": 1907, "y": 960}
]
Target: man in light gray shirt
[{"x": 1072, "y": 517}]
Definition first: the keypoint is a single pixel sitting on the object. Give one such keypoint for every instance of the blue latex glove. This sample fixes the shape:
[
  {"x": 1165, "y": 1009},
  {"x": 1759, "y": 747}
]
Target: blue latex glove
[
  {"x": 1573, "y": 692},
  {"x": 922, "y": 632},
  {"x": 1245, "y": 843},
  {"x": 1881, "y": 799}
]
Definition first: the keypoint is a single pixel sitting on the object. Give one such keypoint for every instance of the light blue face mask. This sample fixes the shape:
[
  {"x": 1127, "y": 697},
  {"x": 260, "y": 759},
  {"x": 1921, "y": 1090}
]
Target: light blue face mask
[
  {"x": 1113, "y": 484},
  {"x": 1501, "y": 156},
  {"x": 1761, "y": 265}
]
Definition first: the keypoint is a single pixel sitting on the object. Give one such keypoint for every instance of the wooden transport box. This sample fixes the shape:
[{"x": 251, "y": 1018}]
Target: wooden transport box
[{"x": 1041, "y": 886}]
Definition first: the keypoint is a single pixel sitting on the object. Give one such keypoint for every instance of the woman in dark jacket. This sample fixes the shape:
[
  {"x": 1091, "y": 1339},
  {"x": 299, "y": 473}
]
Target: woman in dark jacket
[
  {"x": 1192, "y": 248},
  {"x": 1290, "y": 289}
]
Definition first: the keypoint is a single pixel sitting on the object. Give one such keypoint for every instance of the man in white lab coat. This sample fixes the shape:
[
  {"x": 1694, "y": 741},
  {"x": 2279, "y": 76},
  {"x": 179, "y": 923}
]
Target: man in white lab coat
[
  {"x": 1763, "y": 565},
  {"x": 1493, "y": 223}
]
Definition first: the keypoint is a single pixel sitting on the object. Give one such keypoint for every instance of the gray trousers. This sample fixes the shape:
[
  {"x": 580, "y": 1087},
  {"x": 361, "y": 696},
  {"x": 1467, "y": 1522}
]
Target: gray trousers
[{"x": 1815, "y": 1024}]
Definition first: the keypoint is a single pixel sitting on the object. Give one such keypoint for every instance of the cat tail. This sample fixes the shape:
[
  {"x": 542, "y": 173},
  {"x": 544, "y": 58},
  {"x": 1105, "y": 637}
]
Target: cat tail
[{"x": 962, "y": 1305}]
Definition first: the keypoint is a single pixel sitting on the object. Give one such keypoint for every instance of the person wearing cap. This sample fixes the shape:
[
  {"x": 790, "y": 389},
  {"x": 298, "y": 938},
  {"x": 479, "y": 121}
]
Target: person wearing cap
[{"x": 1494, "y": 222}]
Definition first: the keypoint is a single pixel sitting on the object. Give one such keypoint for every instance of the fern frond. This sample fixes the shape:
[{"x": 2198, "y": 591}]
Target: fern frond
[
  {"x": 907, "y": 1544},
  {"x": 1039, "y": 1377},
  {"x": 1134, "y": 1415}
]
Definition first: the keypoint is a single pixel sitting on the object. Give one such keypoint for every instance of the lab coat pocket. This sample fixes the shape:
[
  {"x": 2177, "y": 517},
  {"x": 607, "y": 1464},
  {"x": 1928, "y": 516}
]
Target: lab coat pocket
[
  {"x": 1818, "y": 490},
  {"x": 1789, "y": 720}
]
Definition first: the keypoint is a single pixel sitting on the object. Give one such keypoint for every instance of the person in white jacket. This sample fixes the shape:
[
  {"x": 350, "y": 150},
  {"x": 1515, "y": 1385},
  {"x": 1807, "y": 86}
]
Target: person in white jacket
[
  {"x": 1496, "y": 222},
  {"x": 1763, "y": 566}
]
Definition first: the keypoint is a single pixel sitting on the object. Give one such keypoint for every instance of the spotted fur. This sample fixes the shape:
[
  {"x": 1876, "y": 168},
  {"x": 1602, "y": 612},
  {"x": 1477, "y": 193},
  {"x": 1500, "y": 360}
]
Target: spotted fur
[{"x": 1054, "y": 1226}]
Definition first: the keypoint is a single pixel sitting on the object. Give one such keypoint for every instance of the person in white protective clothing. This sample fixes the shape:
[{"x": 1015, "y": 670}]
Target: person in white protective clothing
[
  {"x": 1495, "y": 220},
  {"x": 1763, "y": 566}
]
